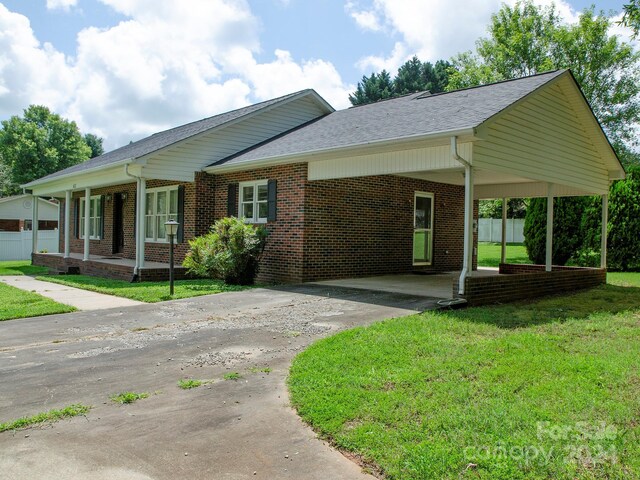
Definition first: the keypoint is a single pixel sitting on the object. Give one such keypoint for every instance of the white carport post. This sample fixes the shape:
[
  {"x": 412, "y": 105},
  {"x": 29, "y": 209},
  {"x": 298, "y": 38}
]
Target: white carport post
[
  {"x": 467, "y": 256},
  {"x": 503, "y": 250},
  {"x": 87, "y": 222},
  {"x": 34, "y": 224},
  {"x": 67, "y": 219},
  {"x": 603, "y": 237},
  {"x": 549, "y": 247}
]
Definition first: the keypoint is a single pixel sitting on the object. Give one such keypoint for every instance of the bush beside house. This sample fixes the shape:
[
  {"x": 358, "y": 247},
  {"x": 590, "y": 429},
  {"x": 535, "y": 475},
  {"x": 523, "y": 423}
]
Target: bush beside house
[{"x": 230, "y": 251}]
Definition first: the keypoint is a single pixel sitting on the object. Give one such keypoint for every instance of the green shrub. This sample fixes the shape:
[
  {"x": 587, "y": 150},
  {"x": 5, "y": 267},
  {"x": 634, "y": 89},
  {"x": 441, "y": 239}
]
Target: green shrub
[
  {"x": 567, "y": 221},
  {"x": 623, "y": 252},
  {"x": 231, "y": 251}
]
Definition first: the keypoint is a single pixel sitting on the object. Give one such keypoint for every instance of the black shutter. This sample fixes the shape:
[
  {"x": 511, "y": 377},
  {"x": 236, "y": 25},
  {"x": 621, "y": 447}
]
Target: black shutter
[
  {"x": 232, "y": 200},
  {"x": 180, "y": 220},
  {"x": 76, "y": 218},
  {"x": 272, "y": 208},
  {"x": 102, "y": 202}
]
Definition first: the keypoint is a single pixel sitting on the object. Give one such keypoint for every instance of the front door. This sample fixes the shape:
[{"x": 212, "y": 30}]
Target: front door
[
  {"x": 423, "y": 229},
  {"x": 118, "y": 223}
]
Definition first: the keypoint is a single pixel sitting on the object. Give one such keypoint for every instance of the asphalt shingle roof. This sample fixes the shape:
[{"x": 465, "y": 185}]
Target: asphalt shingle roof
[
  {"x": 410, "y": 115},
  {"x": 168, "y": 137}
]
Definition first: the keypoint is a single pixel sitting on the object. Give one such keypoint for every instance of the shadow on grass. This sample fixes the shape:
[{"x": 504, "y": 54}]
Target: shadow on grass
[{"x": 609, "y": 299}]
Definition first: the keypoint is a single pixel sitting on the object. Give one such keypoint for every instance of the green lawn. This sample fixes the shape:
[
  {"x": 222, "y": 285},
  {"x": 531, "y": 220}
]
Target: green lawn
[
  {"x": 17, "y": 303},
  {"x": 489, "y": 254},
  {"x": 149, "y": 292},
  {"x": 539, "y": 390},
  {"x": 20, "y": 267}
]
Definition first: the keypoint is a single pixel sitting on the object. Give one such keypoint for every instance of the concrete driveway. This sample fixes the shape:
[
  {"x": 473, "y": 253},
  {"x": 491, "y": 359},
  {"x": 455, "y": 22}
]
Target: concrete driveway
[{"x": 225, "y": 430}]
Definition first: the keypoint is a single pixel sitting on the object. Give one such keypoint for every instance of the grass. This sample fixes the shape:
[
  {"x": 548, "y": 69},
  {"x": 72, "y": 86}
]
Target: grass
[
  {"x": 149, "y": 292},
  {"x": 20, "y": 267},
  {"x": 17, "y": 303},
  {"x": 189, "y": 383},
  {"x": 489, "y": 254},
  {"x": 232, "y": 376},
  {"x": 46, "y": 417},
  {"x": 538, "y": 390},
  {"x": 128, "y": 397}
]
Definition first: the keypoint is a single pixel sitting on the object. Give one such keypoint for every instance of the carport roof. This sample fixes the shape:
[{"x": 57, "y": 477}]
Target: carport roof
[{"x": 404, "y": 117}]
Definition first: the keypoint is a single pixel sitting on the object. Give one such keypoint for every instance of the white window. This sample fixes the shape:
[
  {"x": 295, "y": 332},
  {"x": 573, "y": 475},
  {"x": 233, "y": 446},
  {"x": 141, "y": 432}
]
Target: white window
[
  {"x": 162, "y": 205},
  {"x": 254, "y": 201},
  {"x": 95, "y": 217}
]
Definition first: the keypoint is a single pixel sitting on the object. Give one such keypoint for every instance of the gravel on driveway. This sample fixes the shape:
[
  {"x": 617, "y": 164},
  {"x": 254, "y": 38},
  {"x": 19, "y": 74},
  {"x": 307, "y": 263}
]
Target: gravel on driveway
[{"x": 227, "y": 429}]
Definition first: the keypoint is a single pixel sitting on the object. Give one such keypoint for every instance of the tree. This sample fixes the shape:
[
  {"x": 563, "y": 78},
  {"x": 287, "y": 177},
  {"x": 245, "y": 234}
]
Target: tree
[
  {"x": 413, "y": 76},
  {"x": 631, "y": 16},
  {"x": 373, "y": 88},
  {"x": 516, "y": 208},
  {"x": 528, "y": 39},
  {"x": 94, "y": 143},
  {"x": 40, "y": 143},
  {"x": 6, "y": 186},
  {"x": 567, "y": 216},
  {"x": 416, "y": 76}
]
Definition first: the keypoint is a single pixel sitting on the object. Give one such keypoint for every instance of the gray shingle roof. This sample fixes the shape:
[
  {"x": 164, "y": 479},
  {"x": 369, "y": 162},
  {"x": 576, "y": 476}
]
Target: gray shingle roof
[
  {"x": 410, "y": 115},
  {"x": 168, "y": 137}
]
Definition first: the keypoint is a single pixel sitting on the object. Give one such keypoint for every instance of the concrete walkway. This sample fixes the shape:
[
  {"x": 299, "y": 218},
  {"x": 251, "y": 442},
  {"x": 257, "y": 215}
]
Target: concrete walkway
[{"x": 76, "y": 297}]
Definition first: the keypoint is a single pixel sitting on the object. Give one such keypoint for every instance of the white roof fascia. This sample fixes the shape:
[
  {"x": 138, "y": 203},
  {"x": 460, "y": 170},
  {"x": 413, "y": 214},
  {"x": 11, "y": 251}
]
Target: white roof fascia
[{"x": 470, "y": 133}]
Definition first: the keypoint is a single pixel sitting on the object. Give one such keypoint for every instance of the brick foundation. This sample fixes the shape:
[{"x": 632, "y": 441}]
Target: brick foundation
[
  {"x": 521, "y": 282},
  {"x": 59, "y": 264}
]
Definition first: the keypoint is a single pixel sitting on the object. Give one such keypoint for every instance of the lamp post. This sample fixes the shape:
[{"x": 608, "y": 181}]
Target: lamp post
[{"x": 171, "y": 227}]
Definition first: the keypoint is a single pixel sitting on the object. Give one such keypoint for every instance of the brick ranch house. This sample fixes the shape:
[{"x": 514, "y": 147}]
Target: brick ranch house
[{"x": 390, "y": 187}]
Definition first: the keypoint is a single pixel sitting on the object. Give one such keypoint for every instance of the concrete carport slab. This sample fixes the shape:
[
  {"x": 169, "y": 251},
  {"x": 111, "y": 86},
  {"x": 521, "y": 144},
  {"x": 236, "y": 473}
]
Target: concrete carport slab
[{"x": 224, "y": 430}]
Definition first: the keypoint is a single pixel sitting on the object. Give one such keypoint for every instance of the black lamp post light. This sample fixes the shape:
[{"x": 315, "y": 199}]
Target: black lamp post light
[{"x": 172, "y": 230}]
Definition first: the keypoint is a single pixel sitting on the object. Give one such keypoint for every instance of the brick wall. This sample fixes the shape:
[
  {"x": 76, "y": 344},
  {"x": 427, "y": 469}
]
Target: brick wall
[
  {"x": 534, "y": 283},
  {"x": 364, "y": 226},
  {"x": 283, "y": 255},
  {"x": 348, "y": 227}
]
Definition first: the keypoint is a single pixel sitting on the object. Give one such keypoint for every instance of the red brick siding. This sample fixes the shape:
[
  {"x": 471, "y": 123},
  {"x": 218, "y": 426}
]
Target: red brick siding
[
  {"x": 9, "y": 225},
  {"x": 364, "y": 226},
  {"x": 348, "y": 227},
  {"x": 521, "y": 286},
  {"x": 283, "y": 255}
]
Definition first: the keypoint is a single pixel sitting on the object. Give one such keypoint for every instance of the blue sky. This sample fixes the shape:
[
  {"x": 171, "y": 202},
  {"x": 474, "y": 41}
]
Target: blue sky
[{"x": 127, "y": 68}]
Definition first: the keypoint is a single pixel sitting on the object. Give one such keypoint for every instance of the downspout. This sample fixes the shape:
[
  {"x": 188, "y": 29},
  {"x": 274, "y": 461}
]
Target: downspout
[
  {"x": 137, "y": 226},
  {"x": 468, "y": 214}
]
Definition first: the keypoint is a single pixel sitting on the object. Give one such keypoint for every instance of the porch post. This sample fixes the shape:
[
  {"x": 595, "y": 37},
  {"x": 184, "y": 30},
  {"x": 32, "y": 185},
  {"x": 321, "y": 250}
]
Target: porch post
[
  {"x": 467, "y": 262},
  {"x": 34, "y": 224},
  {"x": 549, "y": 247},
  {"x": 87, "y": 222},
  {"x": 67, "y": 219},
  {"x": 603, "y": 237},
  {"x": 503, "y": 251},
  {"x": 140, "y": 231}
]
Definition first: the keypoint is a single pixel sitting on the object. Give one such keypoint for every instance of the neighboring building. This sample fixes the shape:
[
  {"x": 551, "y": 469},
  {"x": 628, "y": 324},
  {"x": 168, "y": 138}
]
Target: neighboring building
[
  {"x": 16, "y": 214},
  {"x": 389, "y": 187},
  {"x": 15, "y": 226}
]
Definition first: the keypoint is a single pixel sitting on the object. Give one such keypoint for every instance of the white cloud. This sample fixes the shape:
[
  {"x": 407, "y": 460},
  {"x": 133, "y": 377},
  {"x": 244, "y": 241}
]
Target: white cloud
[
  {"x": 435, "y": 31},
  {"x": 61, "y": 4},
  {"x": 365, "y": 19},
  {"x": 163, "y": 66}
]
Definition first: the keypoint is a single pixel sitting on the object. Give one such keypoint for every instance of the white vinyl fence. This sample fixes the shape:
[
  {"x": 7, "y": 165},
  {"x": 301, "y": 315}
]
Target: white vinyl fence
[
  {"x": 17, "y": 245},
  {"x": 490, "y": 230}
]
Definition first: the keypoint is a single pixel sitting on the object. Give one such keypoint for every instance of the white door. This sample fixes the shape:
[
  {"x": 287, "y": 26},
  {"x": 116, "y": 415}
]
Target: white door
[{"x": 423, "y": 229}]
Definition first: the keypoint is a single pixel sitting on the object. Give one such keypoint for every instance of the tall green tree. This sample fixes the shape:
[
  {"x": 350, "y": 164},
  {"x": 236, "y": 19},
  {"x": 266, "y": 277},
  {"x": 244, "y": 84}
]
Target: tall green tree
[
  {"x": 370, "y": 89},
  {"x": 39, "y": 143},
  {"x": 413, "y": 76},
  {"x": 94, "y": 143},
  {"x": 528, "y": 39}
]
